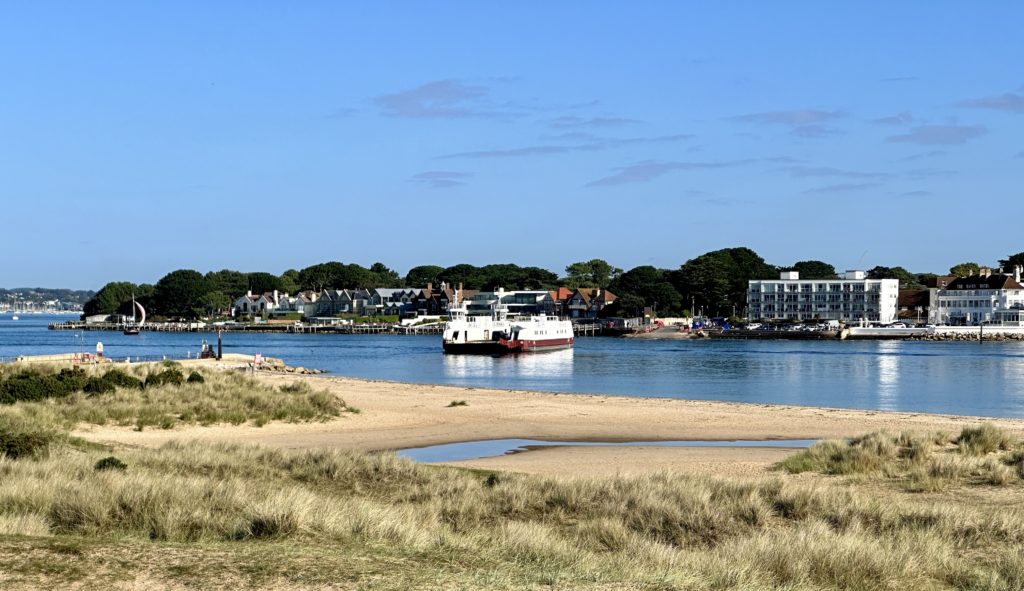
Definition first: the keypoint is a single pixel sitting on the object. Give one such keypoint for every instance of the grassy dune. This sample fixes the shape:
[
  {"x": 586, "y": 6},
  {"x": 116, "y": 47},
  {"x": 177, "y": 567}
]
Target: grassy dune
[
  {"x": 216, "y": 397},
  {"x": 883, "y": 511},
  {"x": 262, "y": 517}
]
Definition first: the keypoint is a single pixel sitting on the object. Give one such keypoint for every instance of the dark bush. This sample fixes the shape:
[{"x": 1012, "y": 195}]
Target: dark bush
[
  {"x": 31, "y": 386},
  {"x": 73, "y": 379},
  {"x": 120, "y": 379},
  {"x": 110, "y": 463},
  {"x": 97, "y": 385},
  {"x": 21, "y": 440},
  {"x": 195, "y": 378},
  {"x": 171, "y": 375}
]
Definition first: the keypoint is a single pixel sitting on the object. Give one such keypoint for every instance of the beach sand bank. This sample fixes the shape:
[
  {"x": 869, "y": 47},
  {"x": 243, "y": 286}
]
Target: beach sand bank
[{"x": 397, "y": 416}]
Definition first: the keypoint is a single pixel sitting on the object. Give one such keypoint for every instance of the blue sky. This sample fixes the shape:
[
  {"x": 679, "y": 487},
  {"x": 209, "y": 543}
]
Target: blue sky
[{"x": 136, "y": 138}]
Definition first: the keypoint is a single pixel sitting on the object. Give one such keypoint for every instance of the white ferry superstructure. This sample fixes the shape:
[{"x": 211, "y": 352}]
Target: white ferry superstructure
[{"x": 500, "y": 333}]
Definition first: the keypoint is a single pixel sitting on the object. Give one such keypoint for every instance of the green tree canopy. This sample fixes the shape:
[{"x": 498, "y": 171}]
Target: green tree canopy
[
  {"x": 717, "y": 281},
  {"x": 815, "y": 270},
  {"x": 290, "y": 281},
  {"x": 1012, "y": 261},
  {"x": 648, "y": 286},
  {"x": 383, "y": 276},
  {"x": 907, "y": 279},
  {"x": 592, "y": 273},
  {"x": 422, "y": 275},
  {"x": 322, "y": 276},
  {"x": 964, "y": 269},
  {"x": 231, "y": 283},
  {"x": 179, "y": 294},
  {"x": 214, "y": 302},
  {"x": 109, "y": 298},
  {"x": 260, "y": 282}
]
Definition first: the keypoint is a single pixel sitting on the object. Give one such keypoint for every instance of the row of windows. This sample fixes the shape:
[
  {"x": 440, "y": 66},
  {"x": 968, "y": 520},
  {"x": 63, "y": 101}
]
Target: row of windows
[{"x": 809, "y": 287}]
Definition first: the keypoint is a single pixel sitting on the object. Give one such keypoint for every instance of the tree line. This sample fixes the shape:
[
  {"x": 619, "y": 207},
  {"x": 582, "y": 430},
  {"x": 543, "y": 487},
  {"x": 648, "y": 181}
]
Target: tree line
[{"x": 714, "y": 282}]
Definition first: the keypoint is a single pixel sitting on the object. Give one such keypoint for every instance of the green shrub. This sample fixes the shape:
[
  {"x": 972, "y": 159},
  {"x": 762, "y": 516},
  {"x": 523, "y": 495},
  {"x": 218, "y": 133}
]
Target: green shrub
[
  {"x": 171, "y": 375},
  {"x": 33, "y": 386},
  {"x": 21, "y": 439},
  {"x": 120, "y": 379},
  {"x": 195, "y": 378},
  {"x": 110, "y": 463},
  {"x": 457, "y": 403},
  {"x": 97, "y": 385}
]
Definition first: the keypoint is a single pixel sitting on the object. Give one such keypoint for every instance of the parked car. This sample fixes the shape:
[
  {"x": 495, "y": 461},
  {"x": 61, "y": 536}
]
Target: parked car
[{"x": 754, "y": 326}]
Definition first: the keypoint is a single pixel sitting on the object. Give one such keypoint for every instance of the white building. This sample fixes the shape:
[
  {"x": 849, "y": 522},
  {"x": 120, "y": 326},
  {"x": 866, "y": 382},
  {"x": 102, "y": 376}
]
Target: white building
[
  {"x": 982, "y": 298},
  {"x": 851, "y": 299}
]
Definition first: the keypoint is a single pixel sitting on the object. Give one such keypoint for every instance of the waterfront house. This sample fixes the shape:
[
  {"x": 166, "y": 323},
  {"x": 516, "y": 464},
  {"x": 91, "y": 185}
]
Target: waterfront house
[
  {"x": 252, "y": 304},
  {"x": 387, "y": 301},
  {"x": 983, "y": 298},
  {"x": 431, "y": 301},
  {"x": 560, "y": 297},
  {"x": 341, "y": 301},
  {"x": 587, "y": 302},
  {"x": 303, "y": 303},
  {"x": 854, "y": 298}
]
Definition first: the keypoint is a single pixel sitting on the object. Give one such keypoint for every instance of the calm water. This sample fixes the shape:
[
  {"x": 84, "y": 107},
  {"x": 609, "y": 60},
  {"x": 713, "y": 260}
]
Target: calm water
[
  {"x": 471, "y": 450},
  {"x": 956, "y": 378}
]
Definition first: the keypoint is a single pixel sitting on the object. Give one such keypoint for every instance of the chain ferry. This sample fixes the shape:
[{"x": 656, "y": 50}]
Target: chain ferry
[{"x": 500, "y": 333}]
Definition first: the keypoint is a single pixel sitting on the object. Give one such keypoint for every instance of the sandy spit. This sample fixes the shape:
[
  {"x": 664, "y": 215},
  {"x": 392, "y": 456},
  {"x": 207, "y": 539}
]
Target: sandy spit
[{"x": 396, "y": 415}]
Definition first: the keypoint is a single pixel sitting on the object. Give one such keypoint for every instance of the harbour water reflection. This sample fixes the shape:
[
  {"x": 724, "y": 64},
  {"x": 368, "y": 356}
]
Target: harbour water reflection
[{"x": 984, "y": 379}]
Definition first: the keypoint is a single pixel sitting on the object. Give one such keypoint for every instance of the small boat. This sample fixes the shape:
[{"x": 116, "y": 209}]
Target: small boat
[
  {"x": 133, "y": 328},
  {"x": 14, "y": 318}
]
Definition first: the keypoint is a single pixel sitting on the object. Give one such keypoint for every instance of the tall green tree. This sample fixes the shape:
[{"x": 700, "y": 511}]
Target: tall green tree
[
  {"x": 214, "y": 302},
  {"x": 261, "y": 282},
  {"x": 471, "y": 276},
  {"x": 110, "y": 298},
  {"x": 231, "y": 283},
  {"x": 815, "y": 270},
  {"x": 717, "y": 281},
  {"x": 383, "y": 276},
  {"x": 422, "y": 275},
  {"x": 290, "y": 281},
  {"x": 1012, "y": 261},
  {"x": 906, "y": 278},
  {"x": 322, "y": 276},
  {"x": 592, "y": 273},
  {"x": 179, "y": 294},
  {"x": 964, "y": 269},
  {"x": 648, "y": 286}
]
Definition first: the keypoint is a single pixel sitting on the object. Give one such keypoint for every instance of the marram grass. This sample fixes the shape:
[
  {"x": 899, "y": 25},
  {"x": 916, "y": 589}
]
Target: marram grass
[{"x": 290, "y": 519}]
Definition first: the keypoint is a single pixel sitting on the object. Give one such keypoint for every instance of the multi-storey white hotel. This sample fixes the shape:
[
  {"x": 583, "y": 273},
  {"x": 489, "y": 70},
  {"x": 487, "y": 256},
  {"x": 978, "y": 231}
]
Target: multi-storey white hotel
[{"x": 854, "y": 298}]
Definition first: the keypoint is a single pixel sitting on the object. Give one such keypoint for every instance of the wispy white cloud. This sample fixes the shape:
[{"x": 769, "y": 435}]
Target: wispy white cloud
[
  {"x": 588, "y": 143},
  {"x": 841, "y": 188},
  {"x": 805, "y": 123},
  {"x": 903, "y": 118},
  {"x": 910, "y": 194},
  {"x": 1010, "y": 102},
  {"x": 828, "y": 171},
  {"x": 793, "y": 118},
  {"x": 574, "y": 122},
  {"x": 441, "y": 179},
  {"x": 441, "y": 99},
  {"x": 923, "y": 155},
  {"x": 646, "y": 171},
  {"x": 930, "y": 135}
]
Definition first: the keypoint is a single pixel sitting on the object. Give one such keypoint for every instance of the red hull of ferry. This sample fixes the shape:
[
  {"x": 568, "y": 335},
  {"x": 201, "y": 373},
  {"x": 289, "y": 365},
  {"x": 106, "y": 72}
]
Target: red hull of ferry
[{"x": 530, "y": 346}]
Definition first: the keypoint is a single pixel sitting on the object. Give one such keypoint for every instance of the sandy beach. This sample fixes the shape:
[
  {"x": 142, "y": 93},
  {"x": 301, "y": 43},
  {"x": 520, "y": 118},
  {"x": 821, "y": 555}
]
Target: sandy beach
[{"x": 396, "y": 415}]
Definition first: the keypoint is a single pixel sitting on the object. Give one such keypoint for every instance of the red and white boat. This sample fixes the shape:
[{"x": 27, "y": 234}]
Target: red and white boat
[{"x": 499, "y": 333}]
